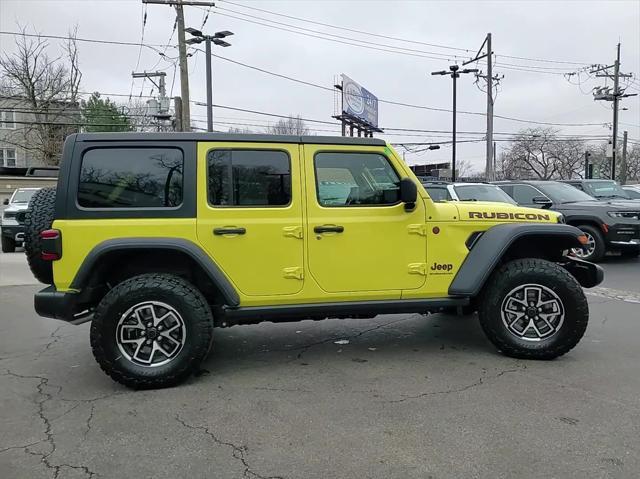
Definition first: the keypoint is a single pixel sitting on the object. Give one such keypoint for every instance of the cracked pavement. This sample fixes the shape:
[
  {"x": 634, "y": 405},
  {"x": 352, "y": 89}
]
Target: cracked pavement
[{"x": 408, "y": 396}]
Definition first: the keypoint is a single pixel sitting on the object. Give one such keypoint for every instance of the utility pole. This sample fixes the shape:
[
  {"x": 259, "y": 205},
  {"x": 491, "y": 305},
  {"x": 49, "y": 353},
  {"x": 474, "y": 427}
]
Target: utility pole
[
  {"x": 177, "y": 108},
  {"x": 182, "y": 53},
  {"x": 604, "y": 93},
  {"x": 623, "y": 163},
  {"x": 184, "y": 70},
  {"x": 454, "y": 72},
  {"x": 586, "y": 165},
  {"x": 489, "y": 78}
]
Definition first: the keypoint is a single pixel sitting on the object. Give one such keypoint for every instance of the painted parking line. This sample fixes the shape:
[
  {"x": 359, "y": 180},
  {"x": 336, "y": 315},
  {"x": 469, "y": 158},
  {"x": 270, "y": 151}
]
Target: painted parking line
[{"x": 626, "y": 296}]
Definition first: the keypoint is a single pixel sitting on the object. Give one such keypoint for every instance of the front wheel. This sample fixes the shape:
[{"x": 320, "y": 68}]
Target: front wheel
[
  {"x": 8, "y": 245},
  {"x": 595, "y": 248},
  {"x": 533, "y": 309},
  {"x": 151, "y": 331}
]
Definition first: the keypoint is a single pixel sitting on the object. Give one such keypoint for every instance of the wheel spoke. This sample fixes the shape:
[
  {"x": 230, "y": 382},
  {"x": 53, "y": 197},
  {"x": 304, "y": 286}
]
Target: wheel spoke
[
  {"x": 540, "y": 307},
  {"x": 140, "y": 338}
]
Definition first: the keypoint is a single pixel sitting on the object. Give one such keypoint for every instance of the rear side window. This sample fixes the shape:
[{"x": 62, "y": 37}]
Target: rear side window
[
  {"x": 131, "y": 178},
  {"x": 249, "y": 178}
]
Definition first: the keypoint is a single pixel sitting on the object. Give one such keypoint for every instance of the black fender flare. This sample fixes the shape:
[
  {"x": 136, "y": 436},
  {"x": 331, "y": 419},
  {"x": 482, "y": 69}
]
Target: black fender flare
[
  {"x": 187, "y": 247},
  {"x": 490, "y": 247}
]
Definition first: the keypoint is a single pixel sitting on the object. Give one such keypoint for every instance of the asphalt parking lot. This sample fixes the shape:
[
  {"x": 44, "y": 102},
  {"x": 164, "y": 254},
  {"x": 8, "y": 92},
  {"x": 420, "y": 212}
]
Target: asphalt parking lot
[{"x": 397, "y": 396}]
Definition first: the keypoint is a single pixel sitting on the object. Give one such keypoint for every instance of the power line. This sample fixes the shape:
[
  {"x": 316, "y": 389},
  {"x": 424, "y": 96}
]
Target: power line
[{"x": 388, "y": 37}]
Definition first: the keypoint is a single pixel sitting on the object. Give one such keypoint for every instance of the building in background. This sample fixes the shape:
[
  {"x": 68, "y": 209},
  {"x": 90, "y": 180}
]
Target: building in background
[{"x": 33, "y": 137}]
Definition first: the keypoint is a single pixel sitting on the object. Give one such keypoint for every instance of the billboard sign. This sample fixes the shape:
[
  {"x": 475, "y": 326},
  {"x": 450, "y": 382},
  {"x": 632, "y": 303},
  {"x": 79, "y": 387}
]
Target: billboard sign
[{"x": 359, "y": 102}]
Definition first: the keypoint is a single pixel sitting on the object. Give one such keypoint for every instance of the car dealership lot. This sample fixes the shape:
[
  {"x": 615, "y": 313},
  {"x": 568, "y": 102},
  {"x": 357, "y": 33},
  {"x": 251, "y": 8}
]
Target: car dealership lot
[{"x": 395, "y": 396}]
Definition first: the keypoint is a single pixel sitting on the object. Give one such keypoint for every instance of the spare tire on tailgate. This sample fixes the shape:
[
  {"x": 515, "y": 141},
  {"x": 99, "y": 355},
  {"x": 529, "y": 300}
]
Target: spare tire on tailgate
[{"x": 39, "y": 217}]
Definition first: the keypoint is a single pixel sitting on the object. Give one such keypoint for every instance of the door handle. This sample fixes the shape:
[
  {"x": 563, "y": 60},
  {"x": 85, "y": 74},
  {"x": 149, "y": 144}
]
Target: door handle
[
  {"x": 229, "y": 231},
  {"x": 328, "y": 229}
]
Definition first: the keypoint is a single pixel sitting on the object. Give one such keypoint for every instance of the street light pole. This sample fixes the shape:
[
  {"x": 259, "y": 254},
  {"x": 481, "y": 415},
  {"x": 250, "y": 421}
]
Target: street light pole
[
  {"x": 209, "y": 85},
  {"x": 454, "y": 72},
  {"x": 454, "y": 75},
  {"x": 199, "y": 37}
]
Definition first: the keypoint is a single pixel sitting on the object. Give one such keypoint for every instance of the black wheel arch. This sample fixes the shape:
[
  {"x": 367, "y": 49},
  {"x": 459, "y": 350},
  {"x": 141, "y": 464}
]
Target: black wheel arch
[
  {"x": 506, "y": 242},
  {"x": 116, "y": 260}
]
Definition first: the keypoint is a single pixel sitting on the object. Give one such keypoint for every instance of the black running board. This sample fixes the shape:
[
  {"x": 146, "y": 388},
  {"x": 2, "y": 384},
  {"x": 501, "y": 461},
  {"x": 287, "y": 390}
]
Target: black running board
[{"x": 297, "y": 312}]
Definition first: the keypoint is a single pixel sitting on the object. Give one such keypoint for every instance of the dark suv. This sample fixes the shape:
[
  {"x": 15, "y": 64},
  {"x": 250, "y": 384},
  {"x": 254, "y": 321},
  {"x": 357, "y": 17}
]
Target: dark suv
[{"x": 609, "y": 225}]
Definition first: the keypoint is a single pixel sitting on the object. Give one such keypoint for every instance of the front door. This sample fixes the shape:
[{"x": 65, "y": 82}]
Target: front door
[
  {"x": 360, "y": 236},
  {"x": 250, "y": 214}
]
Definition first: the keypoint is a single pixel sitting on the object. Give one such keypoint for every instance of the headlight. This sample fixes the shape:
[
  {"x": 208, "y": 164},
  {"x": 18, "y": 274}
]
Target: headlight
[{"x": 630, "y": 215}]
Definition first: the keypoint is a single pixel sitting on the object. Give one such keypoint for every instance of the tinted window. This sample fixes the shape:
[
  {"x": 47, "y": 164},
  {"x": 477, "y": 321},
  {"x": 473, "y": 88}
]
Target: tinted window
[
  {"x": 438, "y": 193},
  {"x": 351, "y": 179},
  {"x": 131, "y": 178},
  {"x": 524, "y": 194},
  {"x": 249, "y": 178},
  {"x": 633, "y": 194},
  {"x": 482, "y": 193},
  {"x": 605, "y": 189},
  {"x": 563, "y": 193}
]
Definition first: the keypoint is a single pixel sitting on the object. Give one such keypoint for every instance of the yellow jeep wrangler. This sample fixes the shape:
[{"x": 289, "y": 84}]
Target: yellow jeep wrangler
[{"x": 159, "y": 238}]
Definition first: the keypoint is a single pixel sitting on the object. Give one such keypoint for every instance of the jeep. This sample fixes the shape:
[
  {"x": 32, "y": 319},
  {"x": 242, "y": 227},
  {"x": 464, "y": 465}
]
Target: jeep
[
  {"x": 157, "y": 238},
  {"x": 612, "y": 225}
]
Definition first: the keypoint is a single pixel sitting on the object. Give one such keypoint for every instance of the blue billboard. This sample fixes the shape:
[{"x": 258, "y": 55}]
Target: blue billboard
[{"x": 359, "y": 102}]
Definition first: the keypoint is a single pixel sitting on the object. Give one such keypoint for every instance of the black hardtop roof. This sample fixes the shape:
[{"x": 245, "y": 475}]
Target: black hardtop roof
[{"x": 229, "y": 137}]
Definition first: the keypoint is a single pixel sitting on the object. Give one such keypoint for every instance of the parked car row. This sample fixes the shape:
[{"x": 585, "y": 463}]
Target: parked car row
[{"x": 607, "y": 213}]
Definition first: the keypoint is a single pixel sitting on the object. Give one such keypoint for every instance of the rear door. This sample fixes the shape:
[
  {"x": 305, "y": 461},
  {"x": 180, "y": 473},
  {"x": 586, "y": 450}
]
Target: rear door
[{"x": 250, "y": 214}]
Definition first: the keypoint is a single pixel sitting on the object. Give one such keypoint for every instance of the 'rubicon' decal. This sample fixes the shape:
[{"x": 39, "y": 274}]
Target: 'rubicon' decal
[{"x": 508, "y": 216}]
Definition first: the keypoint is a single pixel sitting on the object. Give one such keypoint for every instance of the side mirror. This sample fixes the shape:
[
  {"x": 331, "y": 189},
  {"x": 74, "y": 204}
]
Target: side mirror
[
  {"x": 408, "y": 193},
  {"x": 543, "y": 201},
  {"x": 6, "y": 201}
]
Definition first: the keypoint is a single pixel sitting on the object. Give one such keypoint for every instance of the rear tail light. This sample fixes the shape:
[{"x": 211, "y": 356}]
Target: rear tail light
[{"x": 51, "y": 245}]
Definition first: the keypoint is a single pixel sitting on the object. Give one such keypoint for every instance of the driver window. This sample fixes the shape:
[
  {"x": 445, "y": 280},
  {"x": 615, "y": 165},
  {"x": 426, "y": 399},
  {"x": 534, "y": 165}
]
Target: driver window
[{"x": 356, "y": 179}]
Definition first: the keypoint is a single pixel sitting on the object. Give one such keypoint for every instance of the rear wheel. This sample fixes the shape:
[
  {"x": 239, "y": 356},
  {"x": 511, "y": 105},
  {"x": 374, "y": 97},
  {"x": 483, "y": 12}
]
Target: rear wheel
[
  {"x": 595, "y": 248},
  {"x": 39, "y": 217},
  {"x": 8, "y": 245},
  {"x": 151, "y": 331},
  {"x": 533, "y": 309}
]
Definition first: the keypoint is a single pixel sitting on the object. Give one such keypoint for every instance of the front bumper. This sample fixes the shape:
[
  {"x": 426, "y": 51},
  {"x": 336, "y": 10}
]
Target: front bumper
[
  {"x": 587, "y": 274},
  {"x": 52, "y": 303},
  {"x": 623, "y": 235},
  {"x": 15, "y": 232}
]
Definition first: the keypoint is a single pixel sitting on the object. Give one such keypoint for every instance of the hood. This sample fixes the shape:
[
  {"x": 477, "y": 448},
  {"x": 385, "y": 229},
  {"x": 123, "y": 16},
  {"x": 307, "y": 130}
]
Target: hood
[
  {"x": 622, "y": 205},
  {"x": 492, "y": 211},
  {"x": 16, "y": 207}
]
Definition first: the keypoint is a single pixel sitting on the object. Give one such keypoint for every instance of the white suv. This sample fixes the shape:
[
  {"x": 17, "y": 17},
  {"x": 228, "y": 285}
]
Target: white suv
[{"x": 441, "y": 191}]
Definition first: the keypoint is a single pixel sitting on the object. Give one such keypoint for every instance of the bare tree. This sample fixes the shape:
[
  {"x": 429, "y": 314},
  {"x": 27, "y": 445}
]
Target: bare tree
[
  {"x": 541, "y": 154},
  {"x": 290, "y": 126},
  {"x": 45, "y": 89}
]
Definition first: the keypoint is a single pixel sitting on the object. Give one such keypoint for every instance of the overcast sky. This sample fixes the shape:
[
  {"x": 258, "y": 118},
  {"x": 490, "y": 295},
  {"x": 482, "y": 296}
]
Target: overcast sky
[{"x": 585, "y": 32}]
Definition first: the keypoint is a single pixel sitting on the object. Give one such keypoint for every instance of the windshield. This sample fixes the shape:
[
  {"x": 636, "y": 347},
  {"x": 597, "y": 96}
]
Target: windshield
[
  {"x": 22, "y": 196},
  {"x": 605, "y": 189},
  {"x": 438, "y": 193},
  {"x": 562, "y": 193},
  {"x": 482, "y": 193}
]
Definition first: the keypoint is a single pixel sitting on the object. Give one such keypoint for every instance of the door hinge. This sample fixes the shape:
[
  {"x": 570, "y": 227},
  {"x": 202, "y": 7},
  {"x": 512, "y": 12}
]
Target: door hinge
[
  {"x": 418, "y": 268},
  {"x": 293, "y": 231},
  {"x": 295, "y": 272},
  {"x": 418, "y": 229}
]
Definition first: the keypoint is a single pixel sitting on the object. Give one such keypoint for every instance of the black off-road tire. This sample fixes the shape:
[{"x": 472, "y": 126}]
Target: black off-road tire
[
  {"x": 8, "y": 245},
  {"x": 37, "y": 218},
  {"x": 172, "y": 290},
  {"x": 600, "y": 245},
  {"x": 533, "y": 271}
]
